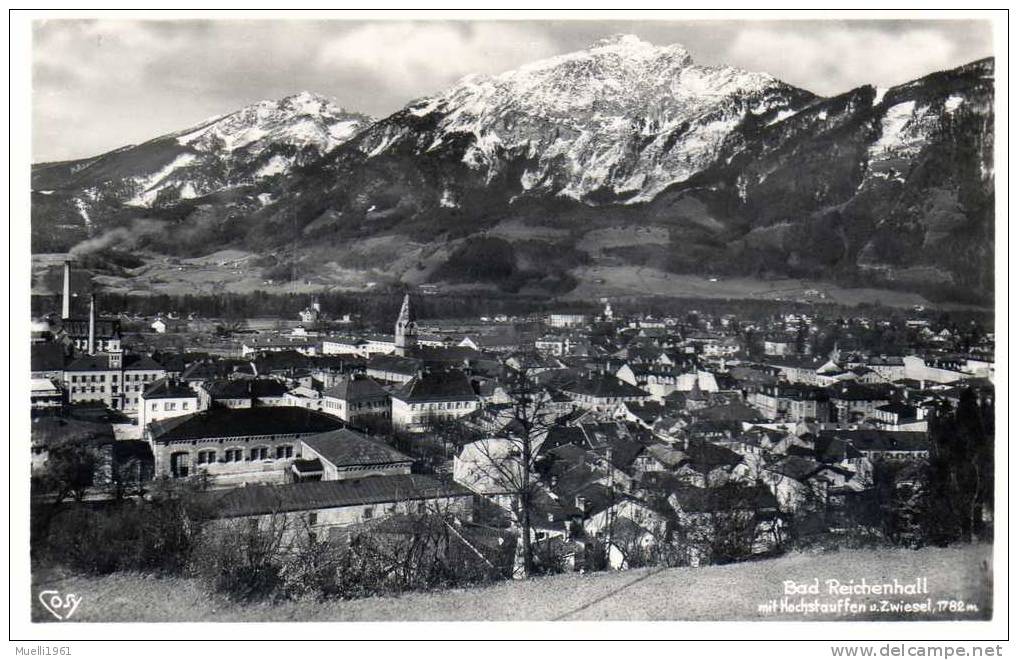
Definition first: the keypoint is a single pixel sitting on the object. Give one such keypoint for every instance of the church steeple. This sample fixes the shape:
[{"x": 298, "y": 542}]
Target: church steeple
[{"x": 406, "y": 328}]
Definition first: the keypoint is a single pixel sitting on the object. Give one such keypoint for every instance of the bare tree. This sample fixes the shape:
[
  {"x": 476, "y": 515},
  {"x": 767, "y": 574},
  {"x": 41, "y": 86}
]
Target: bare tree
[{"x": 505, "y": 465}]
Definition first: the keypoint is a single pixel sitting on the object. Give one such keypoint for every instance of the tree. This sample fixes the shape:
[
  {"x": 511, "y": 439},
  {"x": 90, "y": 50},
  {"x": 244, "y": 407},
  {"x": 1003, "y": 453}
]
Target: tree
[
  {"x": 961, "y": 468},
  {"x": 506, "y": 463},
  {"x": 70, "y": 470}
]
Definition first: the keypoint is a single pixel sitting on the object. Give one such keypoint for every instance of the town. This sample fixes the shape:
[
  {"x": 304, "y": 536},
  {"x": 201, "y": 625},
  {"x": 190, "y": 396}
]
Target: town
[{"x": 506, "y": 446}]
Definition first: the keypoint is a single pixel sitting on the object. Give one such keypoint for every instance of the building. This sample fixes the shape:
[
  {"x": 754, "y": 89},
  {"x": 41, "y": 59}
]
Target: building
[
  {"x": 46, "y": 395},
  {"x": 92, "y": 334},
  {"x": 311, "y": 317},
  {"x": 322, "y": 509},
  {"x": 851, "y": 402},
  {"x": 432, "y": 396},
  {"x": 901, "y": 417},
  {"x": 883, "y": 445},
  {"x": 166, "y": 398},
  {"x": 254, "y": 345},
  {"x": 243, "y": 393},
  {"x": 355, "y": 397},
  {"x": 304, "y": 396},
  {"x": 790, "y": 402},
  {"x": 47, "y": 360},
  {"x": 393, "y": 368},
  {"x": 234, "y": 446},
  {"x": 603, "y": 392},
  {"x": 660, "y": 380},
  {"x": 115, "y": 380},
  {"x": 567, "y": 320},
  {"x": 778, "y": 345},
  {"x": 347, "y": 454},
  {"x": 405, "y": 336},
  {"x": 554, "y": 345}
]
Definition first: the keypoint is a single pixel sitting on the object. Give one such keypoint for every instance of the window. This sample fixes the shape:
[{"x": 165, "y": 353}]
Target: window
[
  {"x": 206, "y": 456},
  {"x": 285, "y": 451},
  {"x": 233, "y": 455},
  {"x": 259, "y": 453},
  {"x": 369, "y": 512},
  {"x": 180, "y": 464},
  {"x": 154, "y": 406},
  {"x": 313, "y": 518},
  {"x": 184, "y": 406}
]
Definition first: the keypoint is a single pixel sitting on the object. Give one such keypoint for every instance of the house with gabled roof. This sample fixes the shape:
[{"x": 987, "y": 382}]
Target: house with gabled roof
[
  {"x": 234, "y": 445},
  {"x": 346, "y": 454},
  {"x": 323, "y": 510},
  {"x": 356, "y": 397},
  {"x": 432, "y": 396},
  {"x": 602, "y": 392}
]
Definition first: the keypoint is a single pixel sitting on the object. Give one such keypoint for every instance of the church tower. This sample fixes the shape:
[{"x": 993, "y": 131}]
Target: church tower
[{"x": 406, "y": 328}]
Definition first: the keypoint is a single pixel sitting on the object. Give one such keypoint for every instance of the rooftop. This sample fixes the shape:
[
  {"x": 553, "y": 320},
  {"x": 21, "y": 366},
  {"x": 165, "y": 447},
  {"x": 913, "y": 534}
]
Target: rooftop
[
  {"x": 347, "y": 447},
  {"x": 356, "y": 389},
  {"x": 242, "y": 422},
  {"x": 312, "y": 495},
  {"x": 437, "y": 386},
  {"x": 164, "y": 388}
]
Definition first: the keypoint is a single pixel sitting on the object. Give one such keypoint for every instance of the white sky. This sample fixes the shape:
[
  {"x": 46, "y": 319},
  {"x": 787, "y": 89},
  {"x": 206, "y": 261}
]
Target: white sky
[{"x": 98, "y": 85}]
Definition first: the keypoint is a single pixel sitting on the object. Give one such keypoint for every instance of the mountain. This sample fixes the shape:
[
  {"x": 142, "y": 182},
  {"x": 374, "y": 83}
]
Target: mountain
[
  {"x": 623, "y": 155},
  {"x": 621, "y": 120},
  {"x": 239, "y": 149}
]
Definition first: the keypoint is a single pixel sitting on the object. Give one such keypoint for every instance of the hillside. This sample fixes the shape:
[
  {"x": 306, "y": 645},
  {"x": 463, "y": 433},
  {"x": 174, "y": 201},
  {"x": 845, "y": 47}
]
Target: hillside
[
  {"x": 565, "y": 166},
  {"x": 691, "y": 594}
]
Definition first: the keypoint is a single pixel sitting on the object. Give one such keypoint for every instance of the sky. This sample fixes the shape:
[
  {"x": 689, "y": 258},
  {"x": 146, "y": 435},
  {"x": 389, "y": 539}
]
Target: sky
[{"x": 102, "y": 84}]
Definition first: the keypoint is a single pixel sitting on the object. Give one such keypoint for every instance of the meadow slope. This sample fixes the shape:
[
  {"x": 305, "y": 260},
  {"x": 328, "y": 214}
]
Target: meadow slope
[{"x": 731, "y": 592}]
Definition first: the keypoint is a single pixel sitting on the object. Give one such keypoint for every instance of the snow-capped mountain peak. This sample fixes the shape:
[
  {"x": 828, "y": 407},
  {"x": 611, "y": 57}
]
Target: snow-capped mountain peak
[
  {"x": 261, "y": 140},
  {"x": 623, "y": 115},
  {"x": 300, "y": 119}
]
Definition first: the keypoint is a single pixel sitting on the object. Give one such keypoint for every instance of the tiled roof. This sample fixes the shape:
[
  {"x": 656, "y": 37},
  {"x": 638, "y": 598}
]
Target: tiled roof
[
  {"x": 47, "y": 357},
  {"x": 356, "y": 389},
  {"x": 849, "y": 391},
  {"x": 878, "y": 440},
  {"x": 395, "y": 364},
  {"x": 602, "y": 386},
  {"x": 97, "y": 362},
  {"x": 437, "y": 386},
  {"x": 705, "y": 500},
  {"x": 141, "y": 363},
  {"x": 346, "y": 447},
  {"x": 240, "y": 422},
  {"x": 164, "y": 388},
  {"x": 313, "y": 495},
  {"x": 246, "y": 389}
]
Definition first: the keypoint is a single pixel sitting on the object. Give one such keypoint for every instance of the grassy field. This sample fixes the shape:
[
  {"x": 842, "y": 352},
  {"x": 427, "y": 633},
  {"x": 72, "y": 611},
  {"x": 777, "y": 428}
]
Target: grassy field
[
  {"x": 612, "y": 281},
  {"x": 384, "y": 260},
  {"x": 732, "y": 592}
]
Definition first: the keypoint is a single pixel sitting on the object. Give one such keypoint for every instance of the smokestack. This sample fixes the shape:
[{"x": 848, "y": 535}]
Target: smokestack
[
  {"x": 91, "y": 325},
  {"x": 67, "y": 291}
]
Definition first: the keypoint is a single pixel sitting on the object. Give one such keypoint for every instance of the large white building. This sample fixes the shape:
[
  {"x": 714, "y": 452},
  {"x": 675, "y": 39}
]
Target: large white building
[
  {"x": 430, "y": 397},
  {"x": 164, "y": 399}
]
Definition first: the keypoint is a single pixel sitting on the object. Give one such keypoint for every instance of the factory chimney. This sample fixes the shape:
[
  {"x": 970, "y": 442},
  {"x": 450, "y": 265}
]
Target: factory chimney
[
  {"x": 91, "y": 325},
  {"x": 67, "y": 291}
]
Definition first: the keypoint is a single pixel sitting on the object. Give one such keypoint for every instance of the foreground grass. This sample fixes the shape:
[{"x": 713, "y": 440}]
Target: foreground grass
[{"x": 711, "y": 593}]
